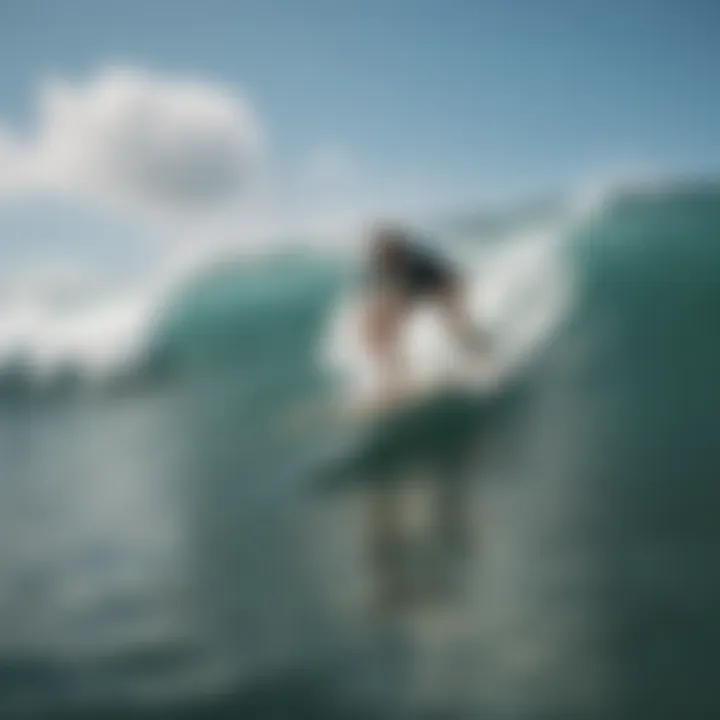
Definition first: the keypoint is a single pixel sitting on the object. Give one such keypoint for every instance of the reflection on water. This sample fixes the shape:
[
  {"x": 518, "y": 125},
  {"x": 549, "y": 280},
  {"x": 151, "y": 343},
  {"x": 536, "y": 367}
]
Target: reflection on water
[
  {"x": 93, "y": 537},
  {"x": 477, "y": 580}
]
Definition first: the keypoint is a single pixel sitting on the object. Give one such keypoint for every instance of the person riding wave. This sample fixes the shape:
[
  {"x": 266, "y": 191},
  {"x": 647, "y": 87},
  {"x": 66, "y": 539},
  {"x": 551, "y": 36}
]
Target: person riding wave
[{"x": 402, "y": 274}]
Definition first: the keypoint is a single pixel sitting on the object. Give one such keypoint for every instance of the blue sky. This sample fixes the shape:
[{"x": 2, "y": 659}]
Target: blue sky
[{"x": 449, "y": 100}]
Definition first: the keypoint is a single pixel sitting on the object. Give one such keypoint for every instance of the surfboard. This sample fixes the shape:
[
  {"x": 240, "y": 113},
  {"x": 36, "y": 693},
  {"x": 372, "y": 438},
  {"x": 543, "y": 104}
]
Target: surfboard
[
  {"x": 353, "y": 407},
  {"x": 439, "y": 428},
  {"x": 362, "y": 439}
]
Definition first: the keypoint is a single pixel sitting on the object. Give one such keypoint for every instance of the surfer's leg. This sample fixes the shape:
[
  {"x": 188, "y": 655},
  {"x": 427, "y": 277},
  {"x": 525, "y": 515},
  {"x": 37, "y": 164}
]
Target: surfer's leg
[{"x": 384, "y": 317}]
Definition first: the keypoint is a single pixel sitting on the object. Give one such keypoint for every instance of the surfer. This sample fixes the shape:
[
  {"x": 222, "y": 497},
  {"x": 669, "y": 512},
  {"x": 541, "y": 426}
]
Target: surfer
[{"x": 402, "y": 275}]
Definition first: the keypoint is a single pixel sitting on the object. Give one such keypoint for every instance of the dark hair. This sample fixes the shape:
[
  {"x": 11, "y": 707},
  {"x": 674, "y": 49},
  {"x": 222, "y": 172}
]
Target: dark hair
[{"x": 388, "y": 243}]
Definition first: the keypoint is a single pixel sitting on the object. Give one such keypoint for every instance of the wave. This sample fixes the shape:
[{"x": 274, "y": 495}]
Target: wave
[{"x": 517, "y": 261}]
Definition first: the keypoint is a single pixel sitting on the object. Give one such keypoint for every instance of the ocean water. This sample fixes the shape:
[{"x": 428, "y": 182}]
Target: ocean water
[{"x": 164, "y": 551}]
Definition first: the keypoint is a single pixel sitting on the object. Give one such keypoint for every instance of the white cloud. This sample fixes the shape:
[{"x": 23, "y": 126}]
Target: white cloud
[
  {"x": 188, "y": 158},
  {"x": 141, "y": 142}
]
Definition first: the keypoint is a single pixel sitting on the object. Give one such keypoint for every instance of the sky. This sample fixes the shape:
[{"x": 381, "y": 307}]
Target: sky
[{"x": 132, "y": 121}]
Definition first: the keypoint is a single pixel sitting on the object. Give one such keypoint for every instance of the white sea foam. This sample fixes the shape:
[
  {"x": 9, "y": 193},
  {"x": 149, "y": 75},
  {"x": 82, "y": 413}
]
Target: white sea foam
[
  {"x": 65, "y": 317},
  {"x": 519, "y": 291}
]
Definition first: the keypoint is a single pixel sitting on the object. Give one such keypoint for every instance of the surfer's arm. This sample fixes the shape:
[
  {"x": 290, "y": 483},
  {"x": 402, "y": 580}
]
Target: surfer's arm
[{"x": 465, "y": 329}]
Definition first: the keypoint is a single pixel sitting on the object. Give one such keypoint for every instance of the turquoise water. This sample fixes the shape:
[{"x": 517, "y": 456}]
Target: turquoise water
[{"x": 164, "y": 553}]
